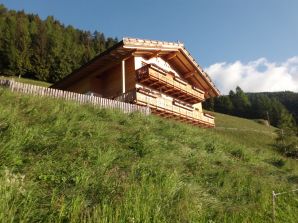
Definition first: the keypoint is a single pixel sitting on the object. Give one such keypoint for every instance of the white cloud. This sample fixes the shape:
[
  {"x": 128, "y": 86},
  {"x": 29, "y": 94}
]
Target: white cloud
[{"x": 256, "y": 76}]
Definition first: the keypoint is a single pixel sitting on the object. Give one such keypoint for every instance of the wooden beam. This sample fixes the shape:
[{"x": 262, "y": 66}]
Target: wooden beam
[
  {"x": 196, "y": 76},
  {"x": 189, "y": 74},
  {"x": 123, "y": 76},
  {"x": 153, "y": 83},
  {"x": 171, "y": 56},
  {"x": 155, "y": 54}
]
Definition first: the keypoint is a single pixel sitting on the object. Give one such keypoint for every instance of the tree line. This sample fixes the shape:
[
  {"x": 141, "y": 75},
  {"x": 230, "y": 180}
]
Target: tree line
[
  {"x": 287, "y": 98},
  {"x": 252, "y": 106},
  {"x": 263, "y": 106},
  {"x": 44, "y": 49}
]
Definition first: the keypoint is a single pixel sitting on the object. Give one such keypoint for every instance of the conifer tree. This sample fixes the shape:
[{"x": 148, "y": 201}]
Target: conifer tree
[
  {"x": 44, "y": 49},
  {"x": 287, "y": 136}
]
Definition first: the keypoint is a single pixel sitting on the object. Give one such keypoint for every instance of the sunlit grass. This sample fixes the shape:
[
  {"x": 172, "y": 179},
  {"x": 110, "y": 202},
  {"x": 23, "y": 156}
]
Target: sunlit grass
[
  {"x": 62, "y": 162},
  {"x": 27, "y": 81}
]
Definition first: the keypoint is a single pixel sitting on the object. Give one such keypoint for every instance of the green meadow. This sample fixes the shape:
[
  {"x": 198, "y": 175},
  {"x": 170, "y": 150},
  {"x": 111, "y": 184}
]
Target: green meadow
[{"x": 63, "y": 162}]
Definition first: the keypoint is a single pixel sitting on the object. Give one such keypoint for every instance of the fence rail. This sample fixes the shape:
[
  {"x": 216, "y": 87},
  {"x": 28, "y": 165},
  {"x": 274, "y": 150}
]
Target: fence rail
[{"x": 71, "y": 96}]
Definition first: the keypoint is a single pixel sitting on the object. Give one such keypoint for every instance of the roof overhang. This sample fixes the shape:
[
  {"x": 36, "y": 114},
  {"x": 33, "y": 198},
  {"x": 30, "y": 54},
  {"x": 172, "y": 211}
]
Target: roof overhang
[{"x": 174, "y": 53}]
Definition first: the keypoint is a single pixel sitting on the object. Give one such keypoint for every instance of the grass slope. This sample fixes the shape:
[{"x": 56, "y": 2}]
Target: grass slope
[
  {"x": 253, "y": 135},
  {"x": 62, "y": 162},
  {"x": 28, "y": 81}
]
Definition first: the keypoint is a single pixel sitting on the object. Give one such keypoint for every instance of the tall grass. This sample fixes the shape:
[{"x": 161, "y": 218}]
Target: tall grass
[
  {"x": 27, "y": 81},
  {"x": 62, "y": 162}
]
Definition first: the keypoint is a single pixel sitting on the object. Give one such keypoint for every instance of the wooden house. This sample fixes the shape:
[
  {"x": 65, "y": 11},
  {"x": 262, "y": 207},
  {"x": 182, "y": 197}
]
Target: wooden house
[{"x": 161, "y": 75}]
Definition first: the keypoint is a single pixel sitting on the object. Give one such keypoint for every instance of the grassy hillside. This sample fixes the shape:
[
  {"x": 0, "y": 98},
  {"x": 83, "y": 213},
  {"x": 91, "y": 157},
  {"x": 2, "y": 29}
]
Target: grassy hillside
[
  {"x": 61, "y": 162},
  {"x": 28, "y": 81},
  {"x": 257, "y": 137},
  {"x": 287, "y": 98}
]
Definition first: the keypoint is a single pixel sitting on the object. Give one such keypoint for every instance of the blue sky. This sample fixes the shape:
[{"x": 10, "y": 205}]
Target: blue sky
[{"x": 225, "y": 33}]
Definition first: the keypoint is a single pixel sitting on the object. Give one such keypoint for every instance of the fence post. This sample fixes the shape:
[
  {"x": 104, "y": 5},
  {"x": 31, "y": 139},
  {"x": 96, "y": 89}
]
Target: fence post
[
  {"x": 11, "y": 85},
  {"x": 273, "y": 206},
  {"x": 119, "y": 104}
]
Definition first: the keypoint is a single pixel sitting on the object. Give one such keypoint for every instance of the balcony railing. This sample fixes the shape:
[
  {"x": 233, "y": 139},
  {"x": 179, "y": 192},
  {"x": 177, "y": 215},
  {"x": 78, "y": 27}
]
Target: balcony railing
[
  {"x": 155, "y": 77},
  {"x": 169, "y": 108}
]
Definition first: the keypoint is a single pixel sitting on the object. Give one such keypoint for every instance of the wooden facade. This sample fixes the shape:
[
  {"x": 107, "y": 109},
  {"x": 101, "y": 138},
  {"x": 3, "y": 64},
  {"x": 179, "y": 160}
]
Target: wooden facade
[{"x": 159, "y": 75}]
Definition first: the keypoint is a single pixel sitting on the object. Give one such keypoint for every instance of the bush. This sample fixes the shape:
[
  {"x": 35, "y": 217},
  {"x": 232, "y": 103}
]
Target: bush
[
  {"x": 287, "y": 143},
  {"x": 277, "y": 162},
  {"x": 238, "y": 153},
  {"x": 293, "y": 179}
]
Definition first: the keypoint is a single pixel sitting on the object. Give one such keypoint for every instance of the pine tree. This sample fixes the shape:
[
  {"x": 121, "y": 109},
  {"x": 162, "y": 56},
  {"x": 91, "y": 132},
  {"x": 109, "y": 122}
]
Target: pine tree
[
  {"x": 99, "y": 42},
  {"x": 287, "y": 139},
  {"x": 8, "y": 46},
  {"x": 209, "y": 104},
  {"x": 240, "y": 102},
  {"x": 40, "y": 66},
  {"x": 22, "y": 38},
  {"x": 44, "y": 49},
  {"x": 86, "y": 40},
  {"x": 224, "y": 105},
  {"x": 260, "y": 106}
]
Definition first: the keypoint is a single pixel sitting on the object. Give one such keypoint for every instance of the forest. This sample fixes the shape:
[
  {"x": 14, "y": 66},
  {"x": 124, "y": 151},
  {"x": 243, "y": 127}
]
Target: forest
[
  {"x": 45, "y": 49},
  {"x": 278, "y": 109},
  {"x": 274, "y": 107},
  {"x": 287, "y": 98}
]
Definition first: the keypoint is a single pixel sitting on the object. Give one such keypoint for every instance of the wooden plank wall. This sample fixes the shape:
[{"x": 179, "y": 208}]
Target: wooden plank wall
[
  {"x": 130, "y": 74},
  {"x": 112, "y": 81},
  {"x": 80, "y": 87},
  {"x": 89, "y": 83},
  {"x": 75, "y": 97}
]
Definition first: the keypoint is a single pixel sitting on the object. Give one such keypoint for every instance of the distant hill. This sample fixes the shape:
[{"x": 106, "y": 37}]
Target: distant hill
[
  {"x": 63, "y": 162},
  {"x": 274, "y": 107},
  {"x": 287, "y": 98},
  {"x": 45, "y": 50}
]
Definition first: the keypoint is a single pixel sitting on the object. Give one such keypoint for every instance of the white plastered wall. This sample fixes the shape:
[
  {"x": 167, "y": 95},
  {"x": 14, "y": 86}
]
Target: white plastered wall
[{"x": 155, "y": 60}]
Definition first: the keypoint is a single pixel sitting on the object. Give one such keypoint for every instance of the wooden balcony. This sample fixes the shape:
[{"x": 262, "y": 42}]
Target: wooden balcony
[
  {"x": 157, "y": 78},
  {"x": 174, "y": 109}
]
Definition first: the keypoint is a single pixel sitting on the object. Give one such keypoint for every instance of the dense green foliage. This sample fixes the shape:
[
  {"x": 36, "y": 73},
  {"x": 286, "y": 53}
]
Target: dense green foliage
[
  {"x": 62, "y": 162},
  {"x": 44, "y": 49},
  {"x": 27, "y": 81},
  {"x": 287, "y": 140},
  {"x": 254, "y": 106},
  {"x": 273, "y": 107},
  {"x": 287, "y": 98}
]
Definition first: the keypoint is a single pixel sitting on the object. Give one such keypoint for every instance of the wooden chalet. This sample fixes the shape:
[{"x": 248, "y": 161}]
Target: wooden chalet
[{"x": 161, "y": 75}]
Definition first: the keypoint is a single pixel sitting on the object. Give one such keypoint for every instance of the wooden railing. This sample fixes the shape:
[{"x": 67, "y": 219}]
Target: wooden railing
[
  {"x": 163, "y": 105},
  {"x": 169, "y": 83},
  {"x": 71, "y": 96},
  {"x": 177, "y": 109},
  {"x": 128, "y": 97}
]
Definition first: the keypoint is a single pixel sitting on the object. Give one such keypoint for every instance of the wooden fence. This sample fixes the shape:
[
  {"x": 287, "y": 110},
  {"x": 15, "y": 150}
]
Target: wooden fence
[{"x": 71, "y": 96}]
